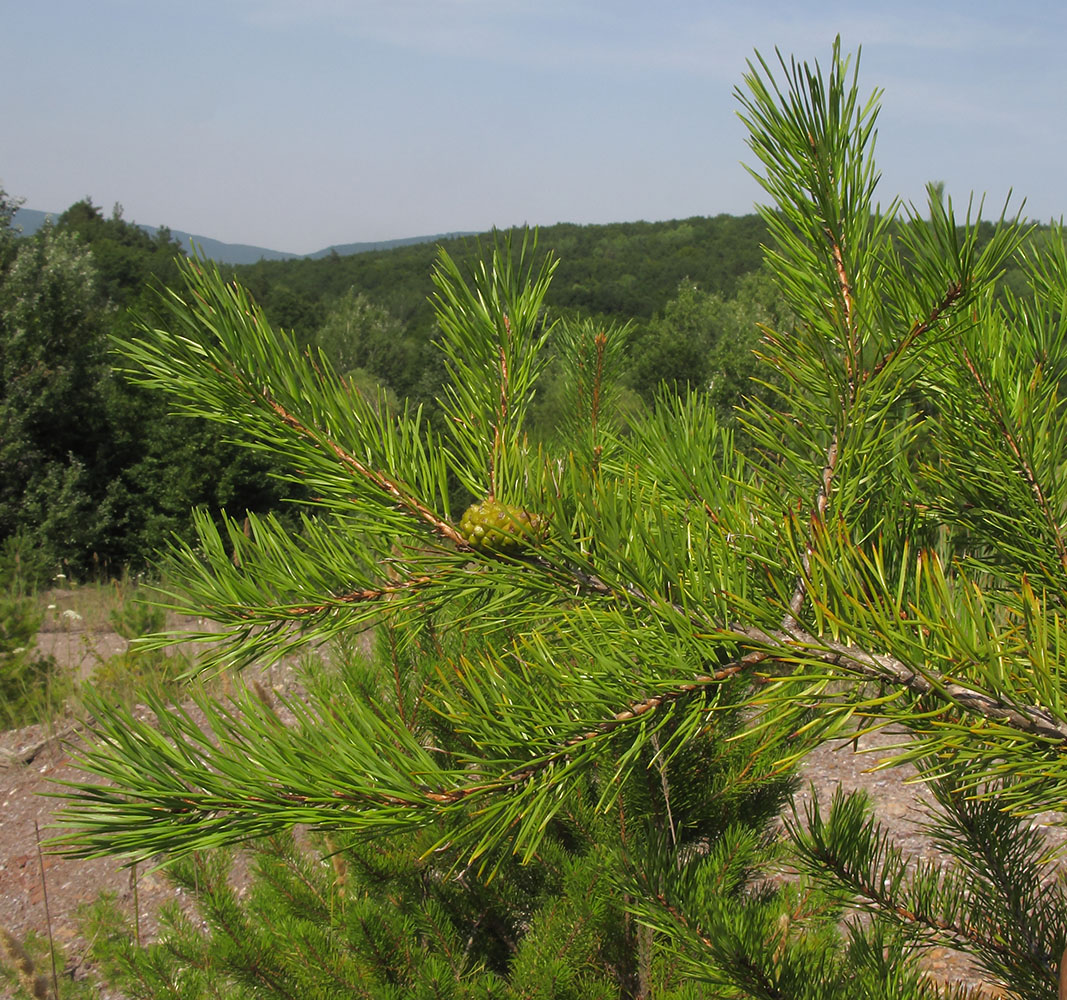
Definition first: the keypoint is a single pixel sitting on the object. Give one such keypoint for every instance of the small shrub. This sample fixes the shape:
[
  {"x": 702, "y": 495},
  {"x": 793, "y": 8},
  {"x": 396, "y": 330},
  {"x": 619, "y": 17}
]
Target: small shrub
[
  {"x": 29, "y": 685},
  {"x": 124, "y": 677},
  {"x": 24, "y": 565},
  {"x": 133, "y": 618}
]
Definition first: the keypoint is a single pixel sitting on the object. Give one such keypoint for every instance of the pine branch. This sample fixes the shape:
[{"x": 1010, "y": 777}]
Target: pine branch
[
  {"x": 745, "y": 972},
  {"x": 375, "y": 477},
  {"x": 793, "y": 644},
  {"x": 366, "y": 595},
  {"x": 918, "y": 330},
  {"x": 798, "y": 646},
  {"x": 822, "y": 501},
  {"x": 1025, "y": 465}
]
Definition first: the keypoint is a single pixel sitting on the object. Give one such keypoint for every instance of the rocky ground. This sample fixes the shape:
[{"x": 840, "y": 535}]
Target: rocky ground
[
  {"x": 39, "y": 888},
  {"x": 35, "y": 759}
]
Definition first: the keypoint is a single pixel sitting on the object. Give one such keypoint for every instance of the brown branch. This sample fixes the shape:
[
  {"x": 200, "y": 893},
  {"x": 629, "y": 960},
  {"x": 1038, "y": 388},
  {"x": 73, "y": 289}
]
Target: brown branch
[
  {"x": 852, "y": 358},
  {"x": 502, "y": 412},
  {"x": 513, "y": 779},
  {"x": 600, "y": 341},
  {"x": 822, "y": 501},
  {"x": 795, "y": 644},
  {"x": 881, "y": 901},
  {"x": 360, "y": 596},
  {"x": 952, "y": 294},
  {"x": 791, "y": 642},
  {"x": 963, "y": 937},
  {"x": 378, "y": 479}
]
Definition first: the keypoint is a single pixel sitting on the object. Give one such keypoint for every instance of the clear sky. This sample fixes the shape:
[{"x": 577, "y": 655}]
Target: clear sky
[{"x": 296, "y": 124}]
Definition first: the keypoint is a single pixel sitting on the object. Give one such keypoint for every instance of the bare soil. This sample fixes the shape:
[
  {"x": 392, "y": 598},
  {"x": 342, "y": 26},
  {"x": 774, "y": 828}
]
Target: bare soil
[{"x": 33, "y": 760}]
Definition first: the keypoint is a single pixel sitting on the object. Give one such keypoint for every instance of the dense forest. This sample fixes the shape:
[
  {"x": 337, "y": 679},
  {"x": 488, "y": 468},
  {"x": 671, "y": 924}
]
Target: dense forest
[
  {"x": 621, "y": 270},
  {"x": 95, "y": 474}
]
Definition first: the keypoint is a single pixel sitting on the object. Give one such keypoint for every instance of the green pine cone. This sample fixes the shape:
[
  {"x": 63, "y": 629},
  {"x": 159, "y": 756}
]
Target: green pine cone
[{"x": 499, "y": 527}]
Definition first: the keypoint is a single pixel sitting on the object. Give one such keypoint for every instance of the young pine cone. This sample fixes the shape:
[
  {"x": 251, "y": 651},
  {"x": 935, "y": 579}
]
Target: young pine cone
[{"x": 492, "y": 526}]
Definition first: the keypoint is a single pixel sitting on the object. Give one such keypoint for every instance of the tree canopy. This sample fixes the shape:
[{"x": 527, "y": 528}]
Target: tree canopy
[{"x": 94, "y": 475}]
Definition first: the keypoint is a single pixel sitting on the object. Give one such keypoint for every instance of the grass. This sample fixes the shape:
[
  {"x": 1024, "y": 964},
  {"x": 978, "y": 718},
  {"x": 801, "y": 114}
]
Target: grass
[{"x": 97, "y": 606}]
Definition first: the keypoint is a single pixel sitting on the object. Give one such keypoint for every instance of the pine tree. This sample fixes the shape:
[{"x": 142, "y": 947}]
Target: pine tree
[
  {"x": 406, "y": 916},
  {"x": 658, "y": 607}
]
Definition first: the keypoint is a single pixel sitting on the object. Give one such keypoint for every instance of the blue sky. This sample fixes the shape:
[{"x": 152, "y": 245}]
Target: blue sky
[{"x": 296, "y": 124}]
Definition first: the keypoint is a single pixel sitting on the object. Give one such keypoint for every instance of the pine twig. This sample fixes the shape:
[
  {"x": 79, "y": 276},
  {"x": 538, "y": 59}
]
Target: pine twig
[
  {"x": 1025, "y": 464},
  {"x": 373, "y": 476}
]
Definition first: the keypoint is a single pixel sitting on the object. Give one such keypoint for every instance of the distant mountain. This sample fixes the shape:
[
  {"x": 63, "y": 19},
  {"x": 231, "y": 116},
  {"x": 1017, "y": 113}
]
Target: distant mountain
[
  {"x": 224, "y": 253},
  {"x": 29, "y": 220},
  {"x": 346, "y": 249}
]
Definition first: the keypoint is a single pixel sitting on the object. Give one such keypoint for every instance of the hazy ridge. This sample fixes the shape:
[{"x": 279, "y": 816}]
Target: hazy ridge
[{"x": 29, "y": 220}]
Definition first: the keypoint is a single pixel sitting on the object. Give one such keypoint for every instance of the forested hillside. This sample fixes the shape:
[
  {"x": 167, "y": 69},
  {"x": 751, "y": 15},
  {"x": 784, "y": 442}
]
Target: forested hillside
[
  {"x": 623, "y": 269},
  {"x": 373, "y": 316},
  {"x": 94, "y": 474}
]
